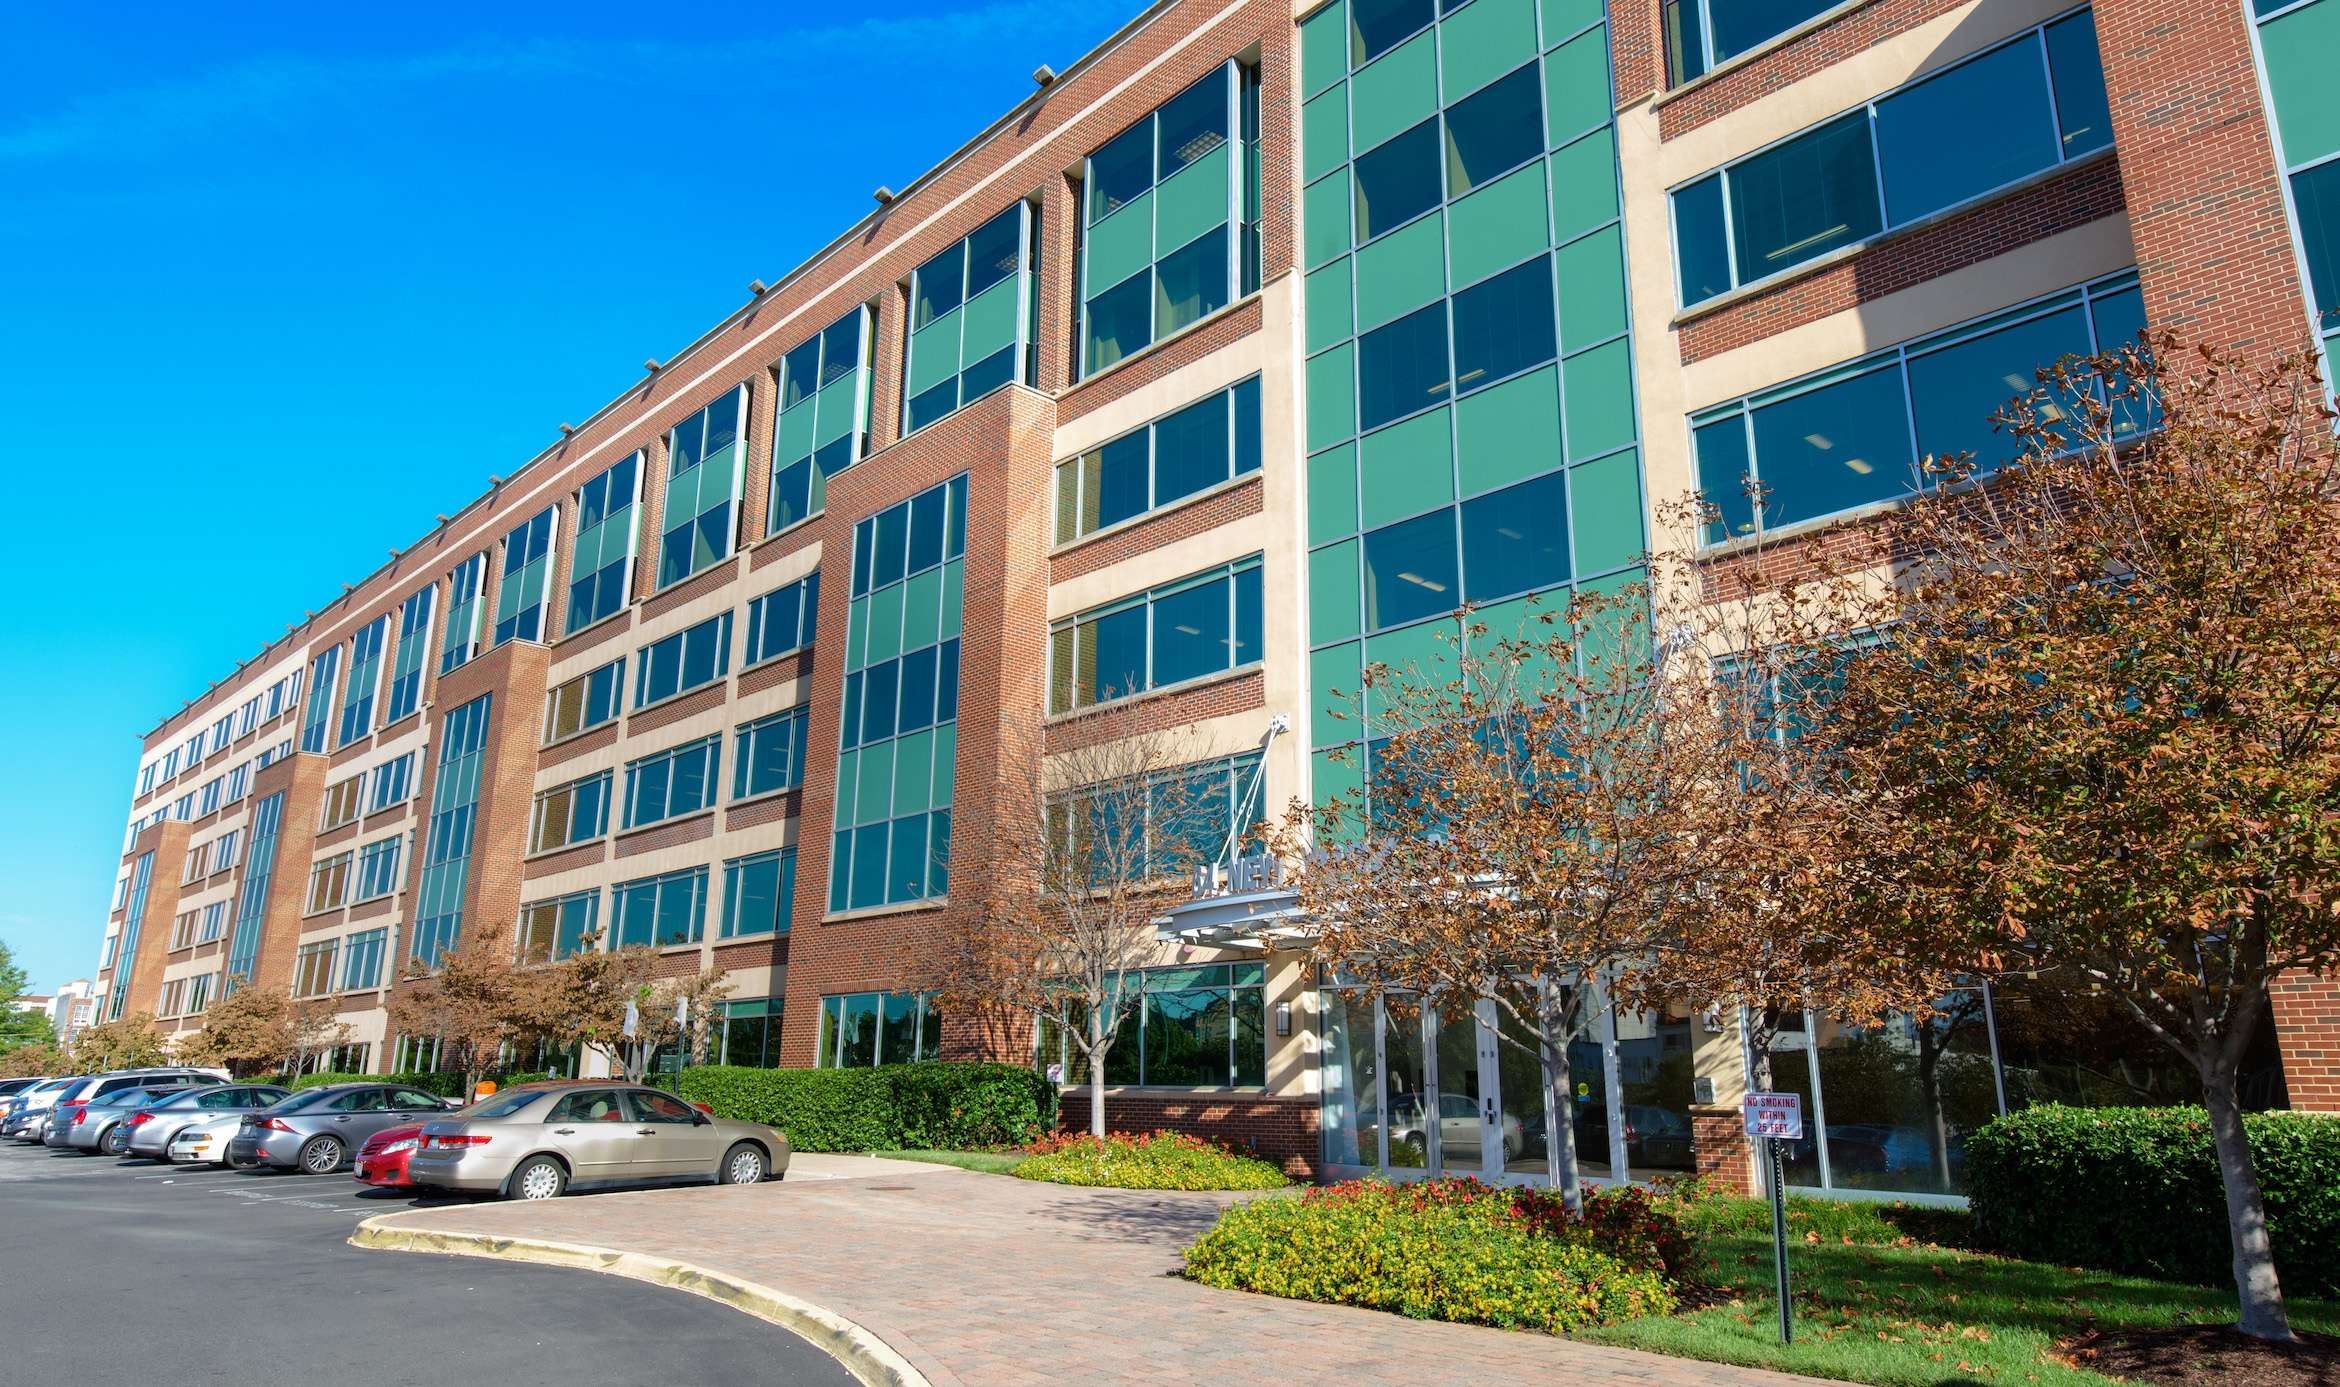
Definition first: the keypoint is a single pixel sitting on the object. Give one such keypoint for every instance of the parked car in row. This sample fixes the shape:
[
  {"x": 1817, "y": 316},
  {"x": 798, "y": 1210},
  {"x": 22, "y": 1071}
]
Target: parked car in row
[
  {"x": 51, "y": 1107},
  {"x": 151, "y": 1129},
  {"x": 22, "y": 1114},
  {"x": 382, "y": 1160},
  {"x": 94, "y": 1123},
  {"x": 538, "y": 1140},
  {"x": 318, "y": 1129}
]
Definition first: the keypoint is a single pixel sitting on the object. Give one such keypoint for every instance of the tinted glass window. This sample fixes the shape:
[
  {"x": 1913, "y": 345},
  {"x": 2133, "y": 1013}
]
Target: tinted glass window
[
  {"x": 1999, "y": 108},
  {"x": 1190, "y": 284},
  {"x": 1117, "y": 480},
  {"x": 305, "y": 1099},
  {"x": 1741, "y": 24},
  {"x": 1193, "y": 124},
  {"x": 1503, "y": 326},
  {"x": 360, "y": 1100},
  {"x": 1117, "y": 320},
  {"x": 1398, "y": 181},
  {"x": 1190, "y": 633},
  {"x": 1958, "y": 389},
  {"x": 1191, "y": 448},
  {"x": 1701, "y": 247},
  {"x": 1122, "y": 170},
  {"x": 2077, "y": 70},
  {"x": 2316, "y": 193},
  {"x": 1401, "y": 367},
  {"x": 1722, "y": 477},
  {"x": 1494, "y": 131},
  {"x": 502, "y": 1104},
  {"x": 1376, "y": 26},
  {"x": 1836, "y": 447},
  {"x": 939, "y": 283},
  {"x": 1516, "y": 539},
  {"x": 1808, "y": 196},
  {"x": 414, "y": 1100},
  {"x": 993, "y": 250},
  {"x": 1410, "y": 570}
]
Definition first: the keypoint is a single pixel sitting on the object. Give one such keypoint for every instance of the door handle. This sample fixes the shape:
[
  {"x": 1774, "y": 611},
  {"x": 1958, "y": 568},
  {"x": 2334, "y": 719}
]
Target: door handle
[
  {"x": 341, "y": 1119},
  {"x": 645, "y": 1131},
  {"x": 564, "y": 1131}
]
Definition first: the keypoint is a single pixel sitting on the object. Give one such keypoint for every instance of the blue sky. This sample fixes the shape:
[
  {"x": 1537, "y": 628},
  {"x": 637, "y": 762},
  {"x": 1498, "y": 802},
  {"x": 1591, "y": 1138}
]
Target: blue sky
[{"x": 279, "y": 282}]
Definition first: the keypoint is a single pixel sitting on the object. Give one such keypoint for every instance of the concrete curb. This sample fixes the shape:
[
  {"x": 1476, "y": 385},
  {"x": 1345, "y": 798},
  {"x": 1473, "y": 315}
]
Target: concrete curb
[{"x": 864, "y": 1354}]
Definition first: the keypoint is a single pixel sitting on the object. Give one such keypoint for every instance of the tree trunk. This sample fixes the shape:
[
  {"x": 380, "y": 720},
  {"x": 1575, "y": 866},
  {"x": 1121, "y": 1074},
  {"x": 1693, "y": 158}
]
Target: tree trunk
[
  {"x": 2255, "y": 1283},
  {"x": 1930, "y": 1089},
  {"x": 1097, "y": 1049},
  {"x": 1555, "y": 1018}
]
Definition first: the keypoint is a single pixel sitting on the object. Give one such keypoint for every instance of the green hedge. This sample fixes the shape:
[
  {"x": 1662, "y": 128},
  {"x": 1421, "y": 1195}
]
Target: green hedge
[
  {"x": 933, "y": 1105},
  {"x": 444, "y": 1085},
  {"x": 2137, "y": 1190},
  {"x": 1447, "y": 1250}
]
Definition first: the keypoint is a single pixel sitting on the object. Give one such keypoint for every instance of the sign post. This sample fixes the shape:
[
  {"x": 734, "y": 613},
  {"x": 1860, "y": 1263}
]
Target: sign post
[{"x": 1773, "y": 1118}]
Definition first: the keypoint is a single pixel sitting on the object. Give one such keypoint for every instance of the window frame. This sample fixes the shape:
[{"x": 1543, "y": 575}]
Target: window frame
[{"x": 1229, "y": 572}]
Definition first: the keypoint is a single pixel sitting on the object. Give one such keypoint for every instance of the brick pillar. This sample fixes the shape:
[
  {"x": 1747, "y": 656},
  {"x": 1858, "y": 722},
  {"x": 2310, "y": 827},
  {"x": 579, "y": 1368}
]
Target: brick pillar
[
  {"x": 2198, "y": 169},
  {"x": 1718, "y": 1140},
  {"x": 2307, "y": 1029}
]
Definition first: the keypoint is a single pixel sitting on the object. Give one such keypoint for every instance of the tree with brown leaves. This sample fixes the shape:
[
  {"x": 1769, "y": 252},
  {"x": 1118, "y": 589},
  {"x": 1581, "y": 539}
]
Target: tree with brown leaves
[
  {"x": 2097, "y": 721},
  {"x": 126, "y": 1042},
  {"x": 475, "y": 1002},
  {"x": 255, "y": 1030}
]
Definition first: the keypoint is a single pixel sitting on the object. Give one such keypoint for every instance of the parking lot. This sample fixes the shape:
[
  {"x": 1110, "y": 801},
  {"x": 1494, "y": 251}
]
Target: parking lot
[{"x": 124, "y": 1272}]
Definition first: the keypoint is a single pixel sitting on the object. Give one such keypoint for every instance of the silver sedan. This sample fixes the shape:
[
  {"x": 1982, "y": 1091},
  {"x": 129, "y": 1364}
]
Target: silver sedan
[
  {"x": 152, "y": 1127},
  {"x": 535, "y": 1141}
]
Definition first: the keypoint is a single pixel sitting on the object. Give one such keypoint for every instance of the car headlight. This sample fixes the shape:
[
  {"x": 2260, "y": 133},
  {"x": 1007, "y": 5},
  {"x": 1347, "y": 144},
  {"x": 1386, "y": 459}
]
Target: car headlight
[{"x": 403, "y": 1144}]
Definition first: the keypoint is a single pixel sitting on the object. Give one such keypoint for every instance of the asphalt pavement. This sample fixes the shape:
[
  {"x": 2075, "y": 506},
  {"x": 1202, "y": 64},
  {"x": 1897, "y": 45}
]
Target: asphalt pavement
[{"x": 132, "y": 1273}]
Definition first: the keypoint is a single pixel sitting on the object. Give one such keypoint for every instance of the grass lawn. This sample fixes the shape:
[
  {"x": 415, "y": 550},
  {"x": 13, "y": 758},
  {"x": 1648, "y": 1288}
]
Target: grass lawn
[
  {"x": 989, "y": 1162},
  {"x": 1876, "y": 1304}
]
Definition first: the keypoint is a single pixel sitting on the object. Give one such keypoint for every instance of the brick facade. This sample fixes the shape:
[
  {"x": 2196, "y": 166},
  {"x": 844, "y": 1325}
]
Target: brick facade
[{"x": 1283, "y": 1130}]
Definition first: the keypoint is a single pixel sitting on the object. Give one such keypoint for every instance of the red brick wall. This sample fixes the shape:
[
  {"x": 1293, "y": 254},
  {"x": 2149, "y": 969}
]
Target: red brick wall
[
  {"x": 1718, "y": 1141},
  {"x": 2307, "y": 1027},
  {"x": 1283, "y": 1130},
  {"x": 2205, "y": 201},
  {"x": 1180, "y": 521}
]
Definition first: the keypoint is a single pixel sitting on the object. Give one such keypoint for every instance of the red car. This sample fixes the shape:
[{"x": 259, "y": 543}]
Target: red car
[{"x": 382, "y": 1160}]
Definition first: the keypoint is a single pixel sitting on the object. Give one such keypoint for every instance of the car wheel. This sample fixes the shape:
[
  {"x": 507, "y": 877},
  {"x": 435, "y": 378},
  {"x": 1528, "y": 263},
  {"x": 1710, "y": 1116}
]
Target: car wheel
[
  {"x": 116, "y": 1140},
  {"x": 539, "y": 1177},
  {"x": 321, "y": 1155},
  {"x": 743, "y": 1164}
]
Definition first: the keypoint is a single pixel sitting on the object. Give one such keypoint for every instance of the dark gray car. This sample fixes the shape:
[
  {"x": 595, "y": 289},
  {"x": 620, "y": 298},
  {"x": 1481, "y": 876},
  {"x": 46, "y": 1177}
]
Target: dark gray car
[
  {"x": 317, "y": 1130},
  {"x": 151, "y": 1128}
]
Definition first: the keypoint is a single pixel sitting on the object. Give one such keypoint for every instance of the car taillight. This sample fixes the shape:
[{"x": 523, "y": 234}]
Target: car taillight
[
  {"x": 271, "y": 1124},
  {"x": 140, "y": 1119},
  {"x": 80, "y": 1115},
  {"x": 457, "y": 1141}
]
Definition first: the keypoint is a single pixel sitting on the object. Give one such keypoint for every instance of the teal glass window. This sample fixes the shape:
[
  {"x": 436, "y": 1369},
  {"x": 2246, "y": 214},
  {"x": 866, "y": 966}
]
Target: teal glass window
[
  {"x": 1515, "y": 540},
  {"x": 756, "y": 893},
  {"x": 406, "y": 659},
  {"x": 252, "y": 901},
  {"x": 1411, "y": 570},
  {"x": 971, "y": 319},
  {"x": 317, "y": 719},
  {"x": 1853, "y": 435},
  {"x": 1702, "y": 33},
  {"x": 2315, "y": 192},
  {"x": 1205, "y": 624},
  {"x": 822, "y": 426},
  {"x": 751, "y": 1033},
  {"x": 377, "y": 868},
  {"x": 658, "y": 912},
  {"x": 361, "y": 959},
  {"x": 601, "y": 572},
  {"x": 365, "y": 677},
  {"x": 446, "y": 867},
  {"x": 2018, "y": 108},
  {"x": 700, "y": 514},
  {"x": 871, "y": 1028},
  {"x": 689, "y": 659},
  {"x": 768, "y": 754},
  {"x": 1377, "y": 26},
  {"x": 1504, "y": 326},
  {"x": 679, "y": 780},
  {"x": 126, "y": 957},
  {"x": 899, "y": 716},
  {"x": 463, "y": 613},
  {"x": 526, "y": 580},
  {"x": 1164, "y": 219},
  {"x": 781, "y": 621},
  {"x": 1188, "y": 1027},
  {"x": 1175, "y": 456}
]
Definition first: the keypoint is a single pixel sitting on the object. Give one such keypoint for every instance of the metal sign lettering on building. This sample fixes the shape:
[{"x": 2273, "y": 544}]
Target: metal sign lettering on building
[
  {"x": 1258, "y": 872},
  {"x": 1778, "y": 1116}
]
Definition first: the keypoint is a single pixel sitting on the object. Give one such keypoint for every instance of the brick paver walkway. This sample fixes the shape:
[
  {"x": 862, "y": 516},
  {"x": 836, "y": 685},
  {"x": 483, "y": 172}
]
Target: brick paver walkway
[{"x": 985, "y": 1281}]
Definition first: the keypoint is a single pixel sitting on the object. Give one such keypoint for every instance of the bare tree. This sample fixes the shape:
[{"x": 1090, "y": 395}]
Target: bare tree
[{"x": 1104, "y": 831}]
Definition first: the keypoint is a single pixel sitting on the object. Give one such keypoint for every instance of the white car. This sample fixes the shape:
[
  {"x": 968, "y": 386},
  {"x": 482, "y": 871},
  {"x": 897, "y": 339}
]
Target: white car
[{"x": 204, "y": 1141}]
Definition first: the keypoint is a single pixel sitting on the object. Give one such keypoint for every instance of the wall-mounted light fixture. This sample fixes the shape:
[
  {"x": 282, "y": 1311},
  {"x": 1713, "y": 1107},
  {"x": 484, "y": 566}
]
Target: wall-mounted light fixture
[{"x": 1283, "y": 1018}]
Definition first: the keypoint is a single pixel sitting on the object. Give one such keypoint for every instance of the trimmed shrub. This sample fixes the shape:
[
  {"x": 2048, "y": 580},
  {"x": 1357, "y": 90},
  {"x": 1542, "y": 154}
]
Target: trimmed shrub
[
  {"x": 1155, "y": 1161},
  {"x": 444, "y": 1085},
  {"x": 1451, "y": 1250},
  {"x": 2137, "y": 1190},
  {"x": 937, "y": 1103}
]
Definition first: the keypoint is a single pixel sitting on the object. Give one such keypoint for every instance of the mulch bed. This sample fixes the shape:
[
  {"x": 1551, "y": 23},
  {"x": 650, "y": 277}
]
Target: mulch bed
[{"x": 2210, "y": 1355}]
